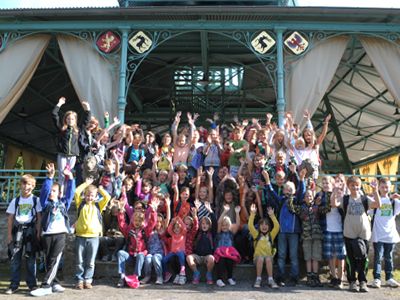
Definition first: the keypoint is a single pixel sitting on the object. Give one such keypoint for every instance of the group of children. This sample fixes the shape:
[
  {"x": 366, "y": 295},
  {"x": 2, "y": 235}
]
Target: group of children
[{"x": 213, "y": 197}]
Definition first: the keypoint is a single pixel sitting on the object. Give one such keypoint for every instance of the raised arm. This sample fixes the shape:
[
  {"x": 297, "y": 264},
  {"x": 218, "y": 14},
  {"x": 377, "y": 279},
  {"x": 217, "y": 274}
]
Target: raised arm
[
  {"x": 235, "y": 227},
  {"x": 322, "y": 136},
  {"x": 376, "y": 202}
]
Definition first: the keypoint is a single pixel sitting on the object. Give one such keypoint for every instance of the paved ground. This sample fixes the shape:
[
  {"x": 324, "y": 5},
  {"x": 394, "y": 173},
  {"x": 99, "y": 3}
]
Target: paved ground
[{"x": 243, "y": 291}]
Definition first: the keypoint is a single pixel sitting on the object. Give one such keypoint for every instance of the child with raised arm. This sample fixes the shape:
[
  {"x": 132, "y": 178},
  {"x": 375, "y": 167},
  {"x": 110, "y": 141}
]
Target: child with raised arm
[
  {"x": 55, "y": 226},
  {"x": 357, "y": 230},
  {"x": 88, "y": 228},
  {"x": 264, "y": 238},
  {"x": 226, "y": 256},
  {"x": 384, "y": 233},
  {"x": 68, "y": 146},
  {"x": 182, "y": 143}
]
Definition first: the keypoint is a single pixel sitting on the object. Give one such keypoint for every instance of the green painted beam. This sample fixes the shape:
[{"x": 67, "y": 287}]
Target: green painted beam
[
  {"x": 135, "y": 99},
  {"x": 204, "y": 51},
  {"x": 184, "y": 25},
  {"x": 379, "y": 156}
]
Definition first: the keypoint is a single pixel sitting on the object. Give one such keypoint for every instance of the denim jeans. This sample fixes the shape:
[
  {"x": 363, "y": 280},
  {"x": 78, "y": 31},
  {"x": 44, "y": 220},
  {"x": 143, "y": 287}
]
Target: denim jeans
[
  {"x": 384, "y": 250},
  {"x": 30, "y": 263},
  {"x": 86, "y": 251},
  {"x": 156, "y": 261},
  {"x": 285, "y": 241},
  {"x": 167, "y": 258},
  {"x": 124, "y": 258}
]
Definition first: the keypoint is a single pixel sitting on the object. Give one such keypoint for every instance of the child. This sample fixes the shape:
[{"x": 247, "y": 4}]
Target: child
[
  {"x": 384, "y": 233},
  {"x": 192, "y": 226},
  {"x": 136, "y": 233},
  {"x": 177, "y": 231},
  {"x": 225, "y": 254},
  {"x": 203, "y": 194},
  {"x": 263, "y": 244},
  {"x": 181, "y": 205},
  {"x": 212, "y": 151},
  {"x": 166, "y": 150},
  {"x": 333, "y": 242},
  {"x": 288, "y": 238},
  {"x": 134, "y": 155},
  {"x": 55, "y": 226},
  {"x": 182, "y": 144},
  {"x": 23, "y": 232},
  {"x": 309, "y": 213},
  {"x": 357, "y": 230},
  {"x": 88, "y": 228},
  {"x": 68, "y": 147},
  {"x": 203, "y": 251},
  {"x": 110, "y": 179},
  {"x": 239, "y": 146}
]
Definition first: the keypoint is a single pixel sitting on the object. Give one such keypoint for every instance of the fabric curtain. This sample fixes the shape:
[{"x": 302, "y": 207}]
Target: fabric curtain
[
  {"x": 370, "y": 169},
  {"x": 18, "y": 63},
  {"x": 385, "y": 57},
  {"x": 95, "y": 78},
  {"x": 389, "y": 166},
  {"x": 309, "y": 77},
  {"x": 12, "y": 154}
]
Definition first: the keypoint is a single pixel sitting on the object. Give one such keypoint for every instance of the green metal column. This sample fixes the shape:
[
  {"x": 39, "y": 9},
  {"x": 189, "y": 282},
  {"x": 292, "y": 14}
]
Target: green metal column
[
  {"x": 122, "y": 76},
  {"x": 280, "y": 101}
]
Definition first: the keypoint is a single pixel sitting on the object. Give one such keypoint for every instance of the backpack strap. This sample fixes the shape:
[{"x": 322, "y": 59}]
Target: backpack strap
[{"x": 34, "y": 211}]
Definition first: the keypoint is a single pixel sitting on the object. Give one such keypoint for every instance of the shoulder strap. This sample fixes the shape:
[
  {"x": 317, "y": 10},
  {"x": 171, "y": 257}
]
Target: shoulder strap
[
  {"x": 16, "y": 204},
  {"x": 393, "y": 205},
  {"x": 345, "y": 203},
  {"x": 364, "y": 200}
]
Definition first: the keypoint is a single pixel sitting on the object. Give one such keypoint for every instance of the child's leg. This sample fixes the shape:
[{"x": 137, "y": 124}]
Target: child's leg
[
  {"x": 15, "y": 267},
  {"x": 293, "y": 254},
  {"x": 147, "y": 265},
  {"x": 269, "y": 266},
  {"x": 31, "y": 271},
  {"x": 362, "y": 266},
  {"x": 388, "y": 256},
  {"x": 165, "y": 261},
  {"x": 53, "y": 246},
  {"x": 259, "y": 265},
  {"x": 92, "y": 245},
  {"x": 123, "y": 258},
  {"x": 79, "y": 251},
  {"x": 229, "y": 267},
  {"x": 61, "y": 163},
  {"x": 156, "y": 260},
  {"x": 210, "y": 262},
  {"x": 315, "y": 266},
  {"x": 221, "y": 267},
  {"x": 282, "y": 252},
  {"x": 191, "y": 262},
  {"x": 181, "y": 258},
  {"x": 139, "y": 264},
  {"x": 378, "y": 254}
]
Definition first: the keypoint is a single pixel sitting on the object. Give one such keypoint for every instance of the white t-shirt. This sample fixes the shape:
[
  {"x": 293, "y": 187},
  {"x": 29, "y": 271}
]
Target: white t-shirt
[
  {"x": 56, "y": 222},
  {"x": 334, "y": 220},
  {"x": 384, "y": 229},
  {"x": 24, "y": 209}
]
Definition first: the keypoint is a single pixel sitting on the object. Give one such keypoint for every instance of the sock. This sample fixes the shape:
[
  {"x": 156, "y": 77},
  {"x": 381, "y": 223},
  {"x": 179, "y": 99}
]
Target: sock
[
  {"x": 182, "y": 272},
  {"x": 122, "y": 275},
  {"x": 258, "y": 278},
  {"x": 270, "y": 278}
]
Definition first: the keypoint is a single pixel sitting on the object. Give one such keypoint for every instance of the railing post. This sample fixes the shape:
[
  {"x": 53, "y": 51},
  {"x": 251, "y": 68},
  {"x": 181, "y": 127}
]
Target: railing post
[
  {"x": 280, "y": 101},
  {"x": 122, "y": 76}
]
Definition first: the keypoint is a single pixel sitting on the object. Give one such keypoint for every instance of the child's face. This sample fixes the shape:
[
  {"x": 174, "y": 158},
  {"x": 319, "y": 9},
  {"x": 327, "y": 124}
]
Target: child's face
[
  {"x": 261, "y": 136},
  {"x": 326, "y": 185},
  {"x": 167, "y": 140},
  {"x": 213, "y": 134},
  {"x": 182, "y": 175},
  {"x": 177, "y": 228},
  {"x": 258, "y": 162},
  {"x": 109, "y": 167},
  {"x": 91, "y": 163},
  {"x": 90, "y": 196},
  {"x": 203, "y": 193},
  {"x": 128, "y": 185},
  {"x": 340, "y": 181},
  {"x": 54, "y": 192},
  {"x": 138, "y": 207},
  {"x": 138, "y": 222},
  {"x": 300, "y": 144},
  {"x": 308, "y": 197},
  {"x": 354, "y": 187},
  {"x": 136, "y": 140},
  {"x": 146, "y": 175},
  {"x": 146, "y": 188},
  {"x": 228, "y": 197},
  {"x": 70, "y": 120},
  {"x": 308, "y": 137},
  {"x": 264, "y": 228},
  {"x": 162, "y": 177},
  {"x": 280, "y": 180},
  {"x": 279, "y": 160},
  {"x": 287, "y": 190},
  {"x": 159, "y": 224},
  {"x": 225, "y": 226},
  {"x": 204, "y": 225},
  {"x": 182, "y": 141},
  {"x": 222, "y": 172},
  {"x": 384, "y": 188},
  {"x": 185, "y": 195},
  {"x": 227, "y": 146},
  {"x": 188, "y": 223},
  {"x": 279, "y": 137}
]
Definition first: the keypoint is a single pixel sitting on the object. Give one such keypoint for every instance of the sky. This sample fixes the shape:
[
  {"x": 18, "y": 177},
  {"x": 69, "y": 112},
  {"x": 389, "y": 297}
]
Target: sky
[{"x": 99, "y": 3}]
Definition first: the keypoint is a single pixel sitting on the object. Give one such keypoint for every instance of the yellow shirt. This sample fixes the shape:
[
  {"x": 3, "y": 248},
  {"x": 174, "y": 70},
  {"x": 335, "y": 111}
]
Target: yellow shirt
[
  {"x": 88, "y": 224},
  {"x": 263, "y": 245}
]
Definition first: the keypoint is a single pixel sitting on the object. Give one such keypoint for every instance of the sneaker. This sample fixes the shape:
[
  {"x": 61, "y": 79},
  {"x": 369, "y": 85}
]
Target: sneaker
[
  {"x": 220, "y": 283},
  {"x": 121, "y": 283},
  {"x": 159, "y": 280},
  {"x": 79, "y": 286},
  {"x": 257, "y": 283},
  {"x": 196, "y": 277},
  {"x": 104, "y": 258},
  {"x": 209, "y": 278},
  {"x": 392, "y": 283},
  {"x": 272, "y": 284},
  {"x": 310, "y": 281},
  {"x": 376, "y": 283},
  {"x": 231, "y": 281},
  {"x": 176, "y": 279},
  {"x": 363, "y": 287},
  {"x": 88, "y": 285},
  {"x": 57, "y": 288},
  {"x": 292, "y": 282},
  {"x": 280, "y": 282},
  {"x": 353, "y": 287},
  {"x": 167, "y": 277},
  {"x": 339, "y": 284},
  {"x": 333, "y": 282},
  {"x": 11, "y": 290},
  {"x": 145, "y": 279},
  {"x": 317, "y": 281},
  {"x": 41, "y": 292},
  {"x": 182, "y": 279}
]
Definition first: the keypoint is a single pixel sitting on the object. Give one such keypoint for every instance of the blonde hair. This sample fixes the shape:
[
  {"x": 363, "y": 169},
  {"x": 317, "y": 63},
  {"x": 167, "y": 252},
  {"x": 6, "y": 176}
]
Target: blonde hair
[
  {"x": 353, "y": 179},
  {"x": 90, "y": 188},
  {"x": 227, "y": 220},
  {"x": 289, "y": 185},
  {"x": 28, "y": 178},
  {"x": 75, "y": 126}
]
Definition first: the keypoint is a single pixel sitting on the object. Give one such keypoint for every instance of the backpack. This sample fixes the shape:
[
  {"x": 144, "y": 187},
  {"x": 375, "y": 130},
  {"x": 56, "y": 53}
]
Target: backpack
[
  {"x": 83, "y": 203},
  {"x": 34, "y": 211}
]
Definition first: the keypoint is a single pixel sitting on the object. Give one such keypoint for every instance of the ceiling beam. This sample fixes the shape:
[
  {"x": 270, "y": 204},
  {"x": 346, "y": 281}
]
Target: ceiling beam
[
  {"x": 204, "y": 51},
  {"x": 135, "y": 99}
]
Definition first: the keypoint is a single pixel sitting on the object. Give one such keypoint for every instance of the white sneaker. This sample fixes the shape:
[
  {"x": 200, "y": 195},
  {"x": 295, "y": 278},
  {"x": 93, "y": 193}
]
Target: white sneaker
[
  {"x": 159, "y": 280},
  {"x": 392, "y": 283},
  {"x": 257, "y": 283},
  {"x": 57, "y": 288},
  {"x": 376, "y": 283},
  {"x": 220, "y": 283},
  {"x": 41, "y": 292},
  {"x": 176, "y": 279},
  {"x": 182, "y": 279},
  {"x": 272, "y": 284},
  {"x": 231, "y": 281}
]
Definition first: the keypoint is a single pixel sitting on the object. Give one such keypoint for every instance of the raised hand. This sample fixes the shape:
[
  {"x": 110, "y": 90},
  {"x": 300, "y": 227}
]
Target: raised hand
[
  {"x": 178, "y": 117},
  {"x": 197, "y": 203},
  {"x": 50, "y": 169},
  {"x": 374, "y": 184},
  {"x": 86, "y": 105},
  {"x": 237, "y": 209},
  {"x": 193, "y": 211},
  {"x": 208, "y": 206},
  {"x": 210, "y": 172},
  {"x": 61, "y": 101},
  {"x": 253, "y": 209},
  {"x": 270, "y": 211},
  {"x": 328, "y": 118},
  {"x": 226, "y": 208},
  {"x": 155, "y": 202}
]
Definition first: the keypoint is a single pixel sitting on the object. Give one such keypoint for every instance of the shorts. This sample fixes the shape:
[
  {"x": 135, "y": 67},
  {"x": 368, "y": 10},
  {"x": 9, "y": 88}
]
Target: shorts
[
  {"x": 263, "y": 257},
  {"x": 201, "y": 260},
  {"x": 312, "y": 250},
  {"x": 333, "y": 245}
]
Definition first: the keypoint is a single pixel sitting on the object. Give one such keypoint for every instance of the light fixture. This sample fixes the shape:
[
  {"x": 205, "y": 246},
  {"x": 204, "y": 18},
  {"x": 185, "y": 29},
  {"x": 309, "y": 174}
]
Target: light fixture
[
  {"x": 22, "y": 113},
  {"x": 205, "y": 80},
  {"x": 396, "y": 112},
  {"x": 358, "y": 133}
]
